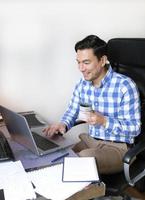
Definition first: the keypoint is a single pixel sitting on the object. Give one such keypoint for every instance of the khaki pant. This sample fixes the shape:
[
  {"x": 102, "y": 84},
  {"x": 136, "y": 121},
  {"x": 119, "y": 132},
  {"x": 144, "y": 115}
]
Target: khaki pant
[{"x": 108, "y": 154}]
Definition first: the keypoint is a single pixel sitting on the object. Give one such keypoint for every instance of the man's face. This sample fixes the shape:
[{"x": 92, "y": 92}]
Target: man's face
[{"x": 91, "y": 68}]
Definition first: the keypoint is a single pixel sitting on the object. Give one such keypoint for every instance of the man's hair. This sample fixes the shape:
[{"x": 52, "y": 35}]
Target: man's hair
[{"x": 92, "y": 42}]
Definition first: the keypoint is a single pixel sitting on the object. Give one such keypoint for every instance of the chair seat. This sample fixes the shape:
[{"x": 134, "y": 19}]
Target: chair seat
[{"x": 116, "y": 184}]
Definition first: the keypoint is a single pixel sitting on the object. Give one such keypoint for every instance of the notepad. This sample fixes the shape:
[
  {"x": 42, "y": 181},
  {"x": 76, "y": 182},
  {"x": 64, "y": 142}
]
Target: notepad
[{"x": 80, "y": 169}]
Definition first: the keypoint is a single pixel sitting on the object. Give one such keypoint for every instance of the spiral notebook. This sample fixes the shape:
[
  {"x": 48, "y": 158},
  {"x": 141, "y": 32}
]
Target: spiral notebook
[{"x": 48, "y": 180}]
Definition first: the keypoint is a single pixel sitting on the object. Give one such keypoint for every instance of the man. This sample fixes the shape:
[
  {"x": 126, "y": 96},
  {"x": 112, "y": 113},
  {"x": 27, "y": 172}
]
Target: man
[{"x": 115, "y": 118}]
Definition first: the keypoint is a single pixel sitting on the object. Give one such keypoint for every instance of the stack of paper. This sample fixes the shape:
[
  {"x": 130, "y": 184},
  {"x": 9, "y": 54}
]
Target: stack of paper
[{"x": 14, "y": 181}]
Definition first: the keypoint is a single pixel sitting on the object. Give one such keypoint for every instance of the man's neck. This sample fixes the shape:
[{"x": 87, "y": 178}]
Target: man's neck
[{"x": 97, "y": 82}]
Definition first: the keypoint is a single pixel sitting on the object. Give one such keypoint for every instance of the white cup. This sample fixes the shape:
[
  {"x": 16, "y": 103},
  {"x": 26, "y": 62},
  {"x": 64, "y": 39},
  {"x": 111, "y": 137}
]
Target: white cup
[{"x": 83, "y": 113}]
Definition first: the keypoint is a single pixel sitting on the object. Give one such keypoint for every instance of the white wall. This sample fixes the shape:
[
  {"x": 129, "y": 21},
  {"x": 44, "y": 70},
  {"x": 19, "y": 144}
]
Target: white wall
[{"x": 38, "y": 70}]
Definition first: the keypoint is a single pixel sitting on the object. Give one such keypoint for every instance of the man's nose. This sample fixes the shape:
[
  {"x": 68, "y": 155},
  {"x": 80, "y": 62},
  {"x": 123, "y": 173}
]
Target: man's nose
[{"x": 82, "y": 67}]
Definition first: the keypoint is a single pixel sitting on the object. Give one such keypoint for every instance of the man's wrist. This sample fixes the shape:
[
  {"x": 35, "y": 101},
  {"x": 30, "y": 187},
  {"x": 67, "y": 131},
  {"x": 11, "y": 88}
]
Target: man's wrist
[
  {"x": 65, "y": 126},
  {"x": 104, "y": 122}
]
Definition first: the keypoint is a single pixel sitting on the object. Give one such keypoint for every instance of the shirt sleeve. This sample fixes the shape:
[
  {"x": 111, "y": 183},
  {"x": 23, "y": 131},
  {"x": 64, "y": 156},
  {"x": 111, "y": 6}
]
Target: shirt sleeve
[
  {"x": 128, "y": 121},
  {"x": 72, "y": 111}
]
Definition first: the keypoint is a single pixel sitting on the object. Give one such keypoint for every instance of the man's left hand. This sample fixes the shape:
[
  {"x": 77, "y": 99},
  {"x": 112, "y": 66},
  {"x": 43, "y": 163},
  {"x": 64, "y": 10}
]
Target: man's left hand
[{"x": 94, "y": 118}]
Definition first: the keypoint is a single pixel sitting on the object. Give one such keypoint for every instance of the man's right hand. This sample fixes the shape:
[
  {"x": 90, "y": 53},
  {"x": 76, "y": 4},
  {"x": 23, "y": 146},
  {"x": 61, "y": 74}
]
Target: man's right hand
[{"x": 54, "y": 129}]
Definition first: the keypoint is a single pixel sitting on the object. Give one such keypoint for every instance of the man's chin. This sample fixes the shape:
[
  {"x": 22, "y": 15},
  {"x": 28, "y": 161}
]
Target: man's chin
[{"x": 87, "y": 78}]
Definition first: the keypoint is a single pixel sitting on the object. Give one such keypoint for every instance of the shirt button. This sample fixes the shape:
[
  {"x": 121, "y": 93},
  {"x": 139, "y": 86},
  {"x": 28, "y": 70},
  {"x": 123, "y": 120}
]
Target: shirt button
[{"x": 96, "y": 103}]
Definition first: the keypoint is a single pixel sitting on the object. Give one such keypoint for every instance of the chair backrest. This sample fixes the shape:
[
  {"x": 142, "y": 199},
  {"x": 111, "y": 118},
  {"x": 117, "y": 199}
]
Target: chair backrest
[{"x": 127, "y": 56}]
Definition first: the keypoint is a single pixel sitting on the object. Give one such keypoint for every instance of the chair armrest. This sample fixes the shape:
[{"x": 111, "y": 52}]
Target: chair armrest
[
  {"x": 133, "y": 152},
  {"x": 129, "y": 158}
]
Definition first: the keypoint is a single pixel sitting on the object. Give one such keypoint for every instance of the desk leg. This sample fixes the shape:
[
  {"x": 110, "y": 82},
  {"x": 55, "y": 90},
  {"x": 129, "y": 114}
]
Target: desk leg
[{"x": 92, "y": 191}]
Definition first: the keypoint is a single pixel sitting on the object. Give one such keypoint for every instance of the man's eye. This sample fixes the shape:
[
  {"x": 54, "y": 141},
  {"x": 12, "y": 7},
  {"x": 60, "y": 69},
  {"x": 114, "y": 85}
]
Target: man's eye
[{"x": 86, "y": 63}]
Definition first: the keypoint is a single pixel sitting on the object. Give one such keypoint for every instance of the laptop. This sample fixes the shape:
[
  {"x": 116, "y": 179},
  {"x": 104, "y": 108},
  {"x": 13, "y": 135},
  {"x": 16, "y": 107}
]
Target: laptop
[{"x": 32, "y": 138}]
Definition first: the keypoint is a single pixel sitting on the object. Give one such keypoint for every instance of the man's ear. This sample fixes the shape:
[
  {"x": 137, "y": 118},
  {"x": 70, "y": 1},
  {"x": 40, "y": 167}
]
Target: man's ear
[{"x": 104, "y": 60}]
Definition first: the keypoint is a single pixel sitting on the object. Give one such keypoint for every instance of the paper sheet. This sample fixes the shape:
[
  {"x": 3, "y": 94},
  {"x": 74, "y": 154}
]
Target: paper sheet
[
  {"x": 14, "y": 181},
  {"x": 48, "y": 183}
]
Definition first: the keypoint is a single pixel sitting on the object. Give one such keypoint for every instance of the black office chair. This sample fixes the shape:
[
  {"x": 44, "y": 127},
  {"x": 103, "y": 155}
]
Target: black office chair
[{"x": 127, "y": 56}]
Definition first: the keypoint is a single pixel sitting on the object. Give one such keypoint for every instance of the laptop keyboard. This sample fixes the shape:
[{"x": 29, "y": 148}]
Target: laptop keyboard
[
  {"x": 43, "y": 143},
  {"x": 5, "y": 149}
]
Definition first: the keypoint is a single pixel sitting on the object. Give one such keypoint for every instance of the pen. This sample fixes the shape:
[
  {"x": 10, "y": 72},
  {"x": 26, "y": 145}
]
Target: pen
[
  {"x": 58, "y": 158},
  {"x": 33, "y": 185}
]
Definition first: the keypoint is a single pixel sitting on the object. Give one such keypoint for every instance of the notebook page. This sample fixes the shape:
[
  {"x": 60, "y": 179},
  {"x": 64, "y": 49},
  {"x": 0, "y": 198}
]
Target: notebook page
[
  {"x": 48, "y": 183},
  {"x": 80, "y": 169}
]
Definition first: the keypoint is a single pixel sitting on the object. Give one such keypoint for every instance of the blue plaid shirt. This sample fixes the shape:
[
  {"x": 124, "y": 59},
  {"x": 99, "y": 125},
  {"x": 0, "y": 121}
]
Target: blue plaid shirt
[{"x": 117, "y": 99}]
